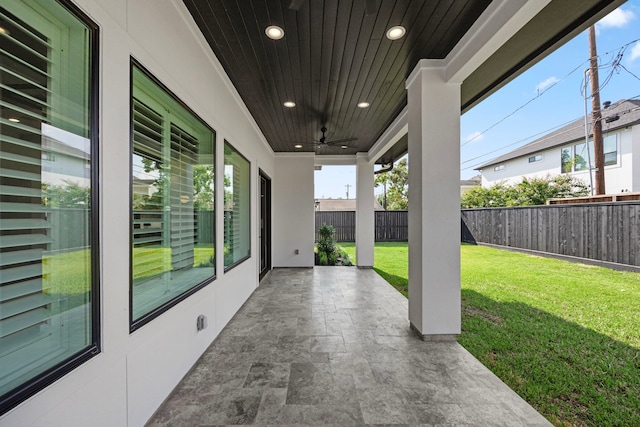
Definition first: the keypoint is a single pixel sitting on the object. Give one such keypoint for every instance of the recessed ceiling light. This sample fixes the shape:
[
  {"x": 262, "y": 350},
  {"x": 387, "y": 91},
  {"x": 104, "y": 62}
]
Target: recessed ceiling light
[
  {"x": 3, "y": 31},
  {"x": 298, "y": 146},
  {"x": 289, "y": 104},
  {"x": 14, "y": 120},
  {"x": 274, "y": 32},
  {"x": 363, "y": 104},
  {"x": 344, "y": 147},
  {"x": 395, "y": 33}
]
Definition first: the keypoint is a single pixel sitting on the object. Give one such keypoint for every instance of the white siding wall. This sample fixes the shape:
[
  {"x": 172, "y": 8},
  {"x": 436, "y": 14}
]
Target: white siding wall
[
  {"x": 617, "y": 177},
  {"x": 635, "y": 147},
  {"x": 134, "y": 373}
]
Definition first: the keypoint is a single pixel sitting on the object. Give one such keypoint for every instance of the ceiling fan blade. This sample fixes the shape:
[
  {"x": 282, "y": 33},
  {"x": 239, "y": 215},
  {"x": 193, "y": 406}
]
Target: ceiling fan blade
[
  {"x": 296, "y": 4},
  {"x": 340, "y": 141}
]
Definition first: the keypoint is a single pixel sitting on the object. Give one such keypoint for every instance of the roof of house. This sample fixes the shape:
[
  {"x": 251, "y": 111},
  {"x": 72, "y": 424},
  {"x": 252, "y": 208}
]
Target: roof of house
[
  {"x": 627, "y": 109},
  {"x": 473, "y": 181},
  {"x": 343, "y": 205}
]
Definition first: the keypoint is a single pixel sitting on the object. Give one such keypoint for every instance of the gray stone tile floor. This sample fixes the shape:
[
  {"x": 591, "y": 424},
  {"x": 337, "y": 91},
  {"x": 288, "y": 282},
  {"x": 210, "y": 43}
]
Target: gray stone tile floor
[{"x": 332, "y": 346}]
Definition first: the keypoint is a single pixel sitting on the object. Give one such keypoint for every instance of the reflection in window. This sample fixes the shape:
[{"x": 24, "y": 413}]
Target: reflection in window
[
  {"x": 581, "y": 156},
  {"x": 610, "y": 144},
  {"x": 579, "y": 161},
  {"x": 173, "y": 200},
  {"x": 47, "y": 260},
  {"x": 566, "y": 160},
  {"x": 237, "y": 222}
]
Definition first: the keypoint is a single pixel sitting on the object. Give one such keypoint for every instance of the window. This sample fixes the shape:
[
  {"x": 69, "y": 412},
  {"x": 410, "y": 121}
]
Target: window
[
  {"x": 579, "y": 160},
  {"x": 610, "y": 144},
  {"x": 48, "y": 211},
  {"x": 498, "y": 168},
  {"x": 537, "y": 158},
  {"x": 237, "y": 209},
  {"x": 172, "y": 193},
  {"x": 566, "y": 160},
  {"x": 581, "y": 156}
]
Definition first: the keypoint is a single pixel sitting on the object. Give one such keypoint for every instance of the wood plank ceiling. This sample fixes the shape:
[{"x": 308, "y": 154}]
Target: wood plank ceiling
[{"x": 334, "y": 54}]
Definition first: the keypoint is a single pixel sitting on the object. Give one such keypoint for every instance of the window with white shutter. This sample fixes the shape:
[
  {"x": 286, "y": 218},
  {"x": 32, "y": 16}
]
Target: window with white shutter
[
  {"x": 48, "y": 278},
  {"x": 172, "y": 234},
  {"x": 237, "y": 208}
]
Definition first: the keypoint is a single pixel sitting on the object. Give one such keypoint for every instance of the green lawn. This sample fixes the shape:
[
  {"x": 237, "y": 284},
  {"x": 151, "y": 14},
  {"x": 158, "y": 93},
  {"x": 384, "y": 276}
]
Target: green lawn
[
  {"x": 67, "y": 275},
  {"x": 564, "y": 336}
]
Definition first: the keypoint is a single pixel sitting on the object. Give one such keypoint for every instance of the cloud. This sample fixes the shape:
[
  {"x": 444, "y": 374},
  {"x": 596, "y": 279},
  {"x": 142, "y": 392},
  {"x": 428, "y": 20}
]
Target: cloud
[
  {"x": 546, "y": 83},
  {"x": 474, "y": 137},
  {"x": 616, "y": 19},
  {"x": 635, "y": 52}
]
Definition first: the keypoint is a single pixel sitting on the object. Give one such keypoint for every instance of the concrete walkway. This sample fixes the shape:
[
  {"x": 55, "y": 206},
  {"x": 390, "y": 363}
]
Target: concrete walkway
[{"x": 332, "y": 345}]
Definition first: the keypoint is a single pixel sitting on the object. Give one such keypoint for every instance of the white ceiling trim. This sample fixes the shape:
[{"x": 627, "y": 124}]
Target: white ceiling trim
[{"x": 499, "y": 22}]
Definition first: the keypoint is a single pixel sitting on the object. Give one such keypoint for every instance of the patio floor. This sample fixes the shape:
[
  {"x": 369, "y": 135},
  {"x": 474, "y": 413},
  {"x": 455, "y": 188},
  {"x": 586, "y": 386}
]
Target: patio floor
[{"x": 332, "y": 345}]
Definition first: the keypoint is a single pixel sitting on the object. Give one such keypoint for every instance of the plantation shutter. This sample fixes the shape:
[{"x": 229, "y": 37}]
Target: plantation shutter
[
  {"x": 149, "y": 226},
  {"x": 168, "y": 220},
  {"x": 25, "y": 307},
  {"x": 184, "y": 154},
  {"x": 236, "y": 211}
]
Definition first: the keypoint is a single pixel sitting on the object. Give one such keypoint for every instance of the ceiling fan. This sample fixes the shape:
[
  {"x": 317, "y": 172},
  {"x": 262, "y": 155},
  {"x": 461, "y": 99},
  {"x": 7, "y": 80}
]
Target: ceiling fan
[{"x": 323, "y": 142}]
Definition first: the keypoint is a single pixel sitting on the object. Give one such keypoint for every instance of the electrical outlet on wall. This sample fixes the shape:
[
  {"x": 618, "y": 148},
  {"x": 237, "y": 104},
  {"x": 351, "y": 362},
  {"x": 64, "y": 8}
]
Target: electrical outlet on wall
[
  {"x": 202, "y": 322},
  {"x": 296, "y": 251}
]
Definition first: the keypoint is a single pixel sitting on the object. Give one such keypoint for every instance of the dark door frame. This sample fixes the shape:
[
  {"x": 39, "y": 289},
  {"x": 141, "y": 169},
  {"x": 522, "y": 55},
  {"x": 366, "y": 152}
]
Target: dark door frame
[{"x": 264, "y": 235}]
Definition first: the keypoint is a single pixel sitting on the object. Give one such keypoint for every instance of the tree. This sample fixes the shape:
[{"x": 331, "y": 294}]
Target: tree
[
  {"x": 70, "y": 195},
  {"x": 203, "y": 187},
  {"x": 396, "y": 187},
  {"x": 529, "y": 192}
]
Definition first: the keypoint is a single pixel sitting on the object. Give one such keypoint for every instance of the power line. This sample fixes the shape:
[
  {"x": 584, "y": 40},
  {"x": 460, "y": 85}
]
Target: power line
[
  {"x": 519, "y": 141},
  {"x": 621, "y": 113},
  {"x": 613, "y": 63}
]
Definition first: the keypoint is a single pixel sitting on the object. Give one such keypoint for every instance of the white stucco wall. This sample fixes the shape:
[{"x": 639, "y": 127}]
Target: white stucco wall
[
  {"x": 620, "y": 177},
  {"x": 293, "y": 210},
  {"x": 134, "y": 373}
]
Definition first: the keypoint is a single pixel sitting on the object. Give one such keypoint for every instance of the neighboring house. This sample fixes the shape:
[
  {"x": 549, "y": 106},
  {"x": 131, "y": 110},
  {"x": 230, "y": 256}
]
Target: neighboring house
[
  {"x": 65, "y": 158},
  {"x": 563, "y": 151},
  {"x": 342, "y": 205},
  {"x": 468, "y": 184}
]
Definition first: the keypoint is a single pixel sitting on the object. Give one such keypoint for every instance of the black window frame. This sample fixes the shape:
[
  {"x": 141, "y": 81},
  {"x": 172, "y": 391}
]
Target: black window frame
[
  {"x": 31, "y": 387},
  {"x": 135, "y": 324},
  {"x": 246, "y": 257}
]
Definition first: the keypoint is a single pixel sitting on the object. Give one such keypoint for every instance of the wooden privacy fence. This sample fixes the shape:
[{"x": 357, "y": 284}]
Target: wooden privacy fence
[
  {"x": 390, "y": 226},
  {"x": 343, "y": 221},
  {"x": 603, "y": 231}
]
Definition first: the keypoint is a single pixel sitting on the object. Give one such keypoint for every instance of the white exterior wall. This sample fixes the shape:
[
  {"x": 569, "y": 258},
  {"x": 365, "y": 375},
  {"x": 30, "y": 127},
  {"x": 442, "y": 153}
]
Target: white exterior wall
[
  {"x": 635, "y": 147},
  {"x": 618, "y": 177},
  {"x": 134, "y": 373},
  {"x": 293, "y": 210}
]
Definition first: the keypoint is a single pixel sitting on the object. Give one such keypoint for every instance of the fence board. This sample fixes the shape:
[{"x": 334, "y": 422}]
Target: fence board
[
  {"x": 604, "y": 232},
  {"x": 390, "y": 226}
]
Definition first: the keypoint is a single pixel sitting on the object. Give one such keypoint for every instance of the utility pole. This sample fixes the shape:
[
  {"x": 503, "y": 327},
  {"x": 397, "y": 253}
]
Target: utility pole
[
  {"x": 348, "y": 186},
  {"x": 596, "y": 114}
]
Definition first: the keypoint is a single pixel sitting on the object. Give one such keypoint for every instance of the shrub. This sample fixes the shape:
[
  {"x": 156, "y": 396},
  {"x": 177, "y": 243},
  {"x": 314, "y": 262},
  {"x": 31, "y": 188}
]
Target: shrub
[
  {"x": 323, "y": 258},
  {"x": 529, "y": 192}
]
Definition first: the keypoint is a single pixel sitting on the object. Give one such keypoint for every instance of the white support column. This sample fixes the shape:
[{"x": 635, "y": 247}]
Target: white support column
[
  {"x": 434, "y": 203},
  {"x": 365, "y": 227}
]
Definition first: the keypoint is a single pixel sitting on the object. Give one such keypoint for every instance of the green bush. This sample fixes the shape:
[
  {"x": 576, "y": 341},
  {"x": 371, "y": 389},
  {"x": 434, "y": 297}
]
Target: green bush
[
  {"x": 333, "y": 258},
  {"x": 529, "y": 192},
  {"x": 323, "y": 258}
]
